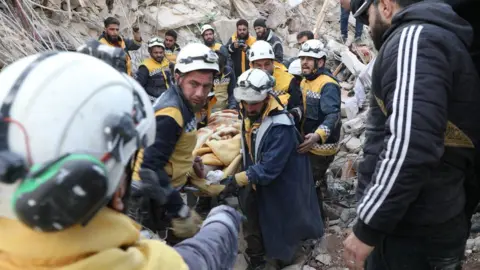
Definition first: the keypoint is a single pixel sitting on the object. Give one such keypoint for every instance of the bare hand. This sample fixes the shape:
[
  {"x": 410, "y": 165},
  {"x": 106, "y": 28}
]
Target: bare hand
[
  {"x": 310, "y": 140},
  {"x": 355, "y": 252},
  {"x": 235, "y": 44},
  {"x": 198, "y": 167},
  {"x": 135, "y": 28}
]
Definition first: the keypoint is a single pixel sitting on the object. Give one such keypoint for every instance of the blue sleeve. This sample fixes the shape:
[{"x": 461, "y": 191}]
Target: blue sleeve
[
  {"x": 157, "y": 155},
  {"x": 296, "y": 99},
  {"x": 330, "y": 106},
  {"x": 273, "y": 156},
  {"x": 215, "y": 246},
  {"x": 232, "y": 103},
  {"x": 132, "y": 45},
  {"x": 142, "y": 76}
]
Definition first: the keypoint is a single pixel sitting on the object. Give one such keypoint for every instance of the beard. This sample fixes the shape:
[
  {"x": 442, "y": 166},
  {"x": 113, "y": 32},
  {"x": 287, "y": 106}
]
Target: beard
[
  {"x": 158, "y": 59},
  {"x": 242, "y": 36},
  {"x": 377, "y": 30},
  {"x": 209, "y": 43}
]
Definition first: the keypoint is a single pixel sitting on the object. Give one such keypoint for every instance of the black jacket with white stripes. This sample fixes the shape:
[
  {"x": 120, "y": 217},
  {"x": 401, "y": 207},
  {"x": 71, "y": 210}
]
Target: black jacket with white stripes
[{"x": 422, "y": 126}]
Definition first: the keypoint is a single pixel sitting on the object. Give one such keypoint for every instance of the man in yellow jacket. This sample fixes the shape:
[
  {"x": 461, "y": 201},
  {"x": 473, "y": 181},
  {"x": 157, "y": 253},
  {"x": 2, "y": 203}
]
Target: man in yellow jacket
[
  {"x": 64, "y": 189},
  {"x": 111, "y": 37},
  {"x": 261, "y": 56},
  {"x": 155, "y": 72},
  {"x": 238, "y": 46}
]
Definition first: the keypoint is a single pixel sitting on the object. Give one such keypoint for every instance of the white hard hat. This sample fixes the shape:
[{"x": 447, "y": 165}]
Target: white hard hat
[
  {"x": 155, "y": 41},
  {"x": 205, "y": 28},
  {"x": 253, "y": 86},
  {"x": 295, "y": 67},
  {"x": 260, "y": 50},
  {"x": 63, "y": 103},
  {"x": 312, "y": 48},
  {"x": 196, "y": 56}
]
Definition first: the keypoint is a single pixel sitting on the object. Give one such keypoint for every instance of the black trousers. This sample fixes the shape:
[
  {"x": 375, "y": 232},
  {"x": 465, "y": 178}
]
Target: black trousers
[
  {"x": 320, "y": 166},
  {"x": 439, "y": 247}
]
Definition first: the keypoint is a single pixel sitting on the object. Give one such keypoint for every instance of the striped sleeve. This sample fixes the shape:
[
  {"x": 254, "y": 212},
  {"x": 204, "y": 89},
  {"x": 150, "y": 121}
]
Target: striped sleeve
[{"x": 414, "y": 86}]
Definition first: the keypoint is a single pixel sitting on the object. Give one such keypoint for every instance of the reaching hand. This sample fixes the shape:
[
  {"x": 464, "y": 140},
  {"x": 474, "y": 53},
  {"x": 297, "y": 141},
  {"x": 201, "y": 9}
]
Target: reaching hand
[
  {"x": 356, "y": 252},
  {"x": 198, "y": 167},
  {"x": 310, "y": 140}
]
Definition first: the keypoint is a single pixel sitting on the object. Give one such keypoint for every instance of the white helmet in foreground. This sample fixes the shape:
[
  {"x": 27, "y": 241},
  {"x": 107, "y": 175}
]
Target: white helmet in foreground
[
  {"x": 253, "y": 86},
  {"x": 74, "y": 122},
  {"x": 205, "y": 28},
  {"x": 295, "y": 67},
  {"x": 196, "y": 56},
  {"x": 155, "y": 41},
  {"x": 260, "y": 50},
  {"x": 312, "y": 48}
]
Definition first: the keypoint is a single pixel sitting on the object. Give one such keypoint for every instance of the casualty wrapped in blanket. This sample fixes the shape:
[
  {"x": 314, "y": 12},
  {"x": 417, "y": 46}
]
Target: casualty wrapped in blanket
[{"x": 218, "y": 145}]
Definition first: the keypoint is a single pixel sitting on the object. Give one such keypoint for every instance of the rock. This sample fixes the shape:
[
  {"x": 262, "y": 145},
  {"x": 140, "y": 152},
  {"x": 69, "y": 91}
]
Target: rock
[
  {"x": 307, "y": 267},
  {"x": 171, "y": 18},
  {"x": 292, "y": 38},
  {"x": 476, "y": 244},
  {"x": 348, "y": 215},
  {"x": 325, "y": 259},
  {"x": 470, "y": 244},
  {"x": 354, "y": 145},
  {"x": 351, "y": 61},
  {"x": 346, "y": 85},
  {"x": 277, "y": 13},
  {"x": 335, "y": 229},
  {"x": 290, "y": 52},
  {"x": 225, "y": 29},
  {"x": 354, "y": 126},
  {"x": 246, "y": 9}
]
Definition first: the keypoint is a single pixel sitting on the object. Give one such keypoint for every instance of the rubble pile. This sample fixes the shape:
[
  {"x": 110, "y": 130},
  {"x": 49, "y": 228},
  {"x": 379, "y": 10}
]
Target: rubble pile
[{"x": 31, "y": 26}]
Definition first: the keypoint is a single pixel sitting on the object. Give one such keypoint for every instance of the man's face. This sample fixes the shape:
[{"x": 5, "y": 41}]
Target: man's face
[
  {"x": 196, "y": 85},
  {"x": 302, "y": 40},
  {"x": 254, "y": 109},
  {"x": 208, "y": 36},
  {"x": 378, "y": 25},
  {"x": 308, "y": 64},
  {"x": 242, "y": 31},
  {"x": 261, "y": 32},
  {"x": 157, "y": 53},
  {"x": 112, "y": 31},
  {"x": 265, "y": 65},
  {"x": 169, "y": 41}
]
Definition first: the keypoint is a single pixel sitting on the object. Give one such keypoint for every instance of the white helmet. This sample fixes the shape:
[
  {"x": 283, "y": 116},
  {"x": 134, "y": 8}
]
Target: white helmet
[
  {"x": 253, "y": 85},
  {"x": 196, "y": 56},
  {"x": 312, "y": 48},
  {"x": 205, "y": 28},
  {"x": 295, "y": 67},
  {"x": 155, "y": 41},
  {"x": 260, "y": 50},
  {"x": 64, "y": 108}
]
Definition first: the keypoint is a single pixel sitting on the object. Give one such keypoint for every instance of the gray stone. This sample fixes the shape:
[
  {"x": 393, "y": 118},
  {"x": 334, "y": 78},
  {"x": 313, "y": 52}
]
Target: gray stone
[
  {"x": 354, "y": 145},
  {"x": 325, "y": 259}
]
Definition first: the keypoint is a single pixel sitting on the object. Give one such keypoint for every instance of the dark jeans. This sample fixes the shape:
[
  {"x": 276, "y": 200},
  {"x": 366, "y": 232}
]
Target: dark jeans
[
  {"x": 319, "y": 168},
  {"x": 344, "y": 14},
  {"x": 439, "y": 247}
]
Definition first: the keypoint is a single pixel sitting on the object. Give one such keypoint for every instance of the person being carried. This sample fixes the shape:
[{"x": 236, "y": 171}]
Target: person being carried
[
  {"x": 65, "y": 186},
  {"x": 276, "y": 185},
  {"x": 111, "y": 37},
  {"x": 155, "y": 73}
]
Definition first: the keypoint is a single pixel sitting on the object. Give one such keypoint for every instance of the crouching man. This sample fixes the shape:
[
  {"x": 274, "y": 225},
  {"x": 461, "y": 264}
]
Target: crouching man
[{"x": 277, "y": 194}]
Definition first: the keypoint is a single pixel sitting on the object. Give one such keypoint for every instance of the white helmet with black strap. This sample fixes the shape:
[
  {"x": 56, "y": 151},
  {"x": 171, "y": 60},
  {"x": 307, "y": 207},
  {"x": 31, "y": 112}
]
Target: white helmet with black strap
[
  {"x": 155, "y": 42},
  {"x": 260, "y": 50},
  {"x": 196, "y": 56},
  {"x": 312, "y": 48},
  {"x": 205, "y": 28},
  {"x": 253, "y": 86}
]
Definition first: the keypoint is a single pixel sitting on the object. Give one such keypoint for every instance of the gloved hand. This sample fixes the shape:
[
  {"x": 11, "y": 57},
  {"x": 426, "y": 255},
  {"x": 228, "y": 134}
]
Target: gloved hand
[
  {"x": 231, "y": 187},
  {"x": 151, "y": 187},
  {"x": 187, "y": 223}
]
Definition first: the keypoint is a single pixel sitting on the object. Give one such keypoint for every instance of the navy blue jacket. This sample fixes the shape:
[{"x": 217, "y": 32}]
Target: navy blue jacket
[{"x": 421, "y": 128}]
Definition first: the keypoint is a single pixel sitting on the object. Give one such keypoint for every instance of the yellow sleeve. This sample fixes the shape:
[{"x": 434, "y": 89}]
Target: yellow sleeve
[{"x": 171, "y": 112}]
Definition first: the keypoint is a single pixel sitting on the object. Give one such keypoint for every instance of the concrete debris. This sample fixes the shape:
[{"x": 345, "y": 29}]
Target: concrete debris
[{"x": 325, "y": 259}]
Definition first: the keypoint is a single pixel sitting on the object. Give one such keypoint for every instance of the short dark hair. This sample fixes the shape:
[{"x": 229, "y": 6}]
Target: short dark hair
[
  {"x": 307, "y": 34},
  {"x": 242, "y": 22},
  {"x": 402, "y": 3},
  {"x": 171, "y": 33},
  {"x": 111, "y": 20}
]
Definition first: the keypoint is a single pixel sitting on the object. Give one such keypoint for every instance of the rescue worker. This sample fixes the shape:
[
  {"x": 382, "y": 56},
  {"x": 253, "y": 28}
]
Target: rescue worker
[
  {"x": 65, "y": 184},
  {"x": 208, "y": 35},
  {"x": 266, "y": 34},
  {"x": 170, "y": 156},
  {"x": 321, "y": 116},
  {"x": 301, "y": 38},
  {"x": 295, "y": 69},
  {"x": 111, "y": 36},
  {"x": 261, "y": 56},
  {"x": 238, "y": 45},
  {"x": 171, "y": 47},
  {"x": 224, "y": 83},
  {"x": 276, "y": 190},
  {"x": 155, "y": 73}
]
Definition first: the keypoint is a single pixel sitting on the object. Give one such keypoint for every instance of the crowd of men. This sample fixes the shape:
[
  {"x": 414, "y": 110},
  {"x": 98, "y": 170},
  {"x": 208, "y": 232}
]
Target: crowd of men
[{"x": 84, "y": 139}]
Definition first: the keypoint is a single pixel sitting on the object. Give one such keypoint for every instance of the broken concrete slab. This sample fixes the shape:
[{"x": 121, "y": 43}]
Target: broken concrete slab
[
  {"x": 354, "y": 145},
  {"x": 351, "y": 61},
  {"x": 165, "y": 18},
  {"x": 246, "y": 9}
]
